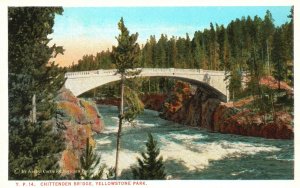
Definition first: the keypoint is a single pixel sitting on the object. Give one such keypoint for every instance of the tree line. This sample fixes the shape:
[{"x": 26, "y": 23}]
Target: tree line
[{"x": 231, "y": 48}]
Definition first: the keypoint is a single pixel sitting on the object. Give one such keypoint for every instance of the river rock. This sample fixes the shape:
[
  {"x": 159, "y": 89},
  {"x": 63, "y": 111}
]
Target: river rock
[{"x": 79, "y": 119}]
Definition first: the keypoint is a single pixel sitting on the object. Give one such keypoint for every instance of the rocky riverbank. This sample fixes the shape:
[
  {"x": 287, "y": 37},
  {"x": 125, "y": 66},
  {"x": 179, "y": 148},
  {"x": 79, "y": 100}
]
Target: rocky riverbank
[
  {"x": 228, "y": 119},
  {"x": 78, "y": 119},
  {"x": 204, "y": 110}
]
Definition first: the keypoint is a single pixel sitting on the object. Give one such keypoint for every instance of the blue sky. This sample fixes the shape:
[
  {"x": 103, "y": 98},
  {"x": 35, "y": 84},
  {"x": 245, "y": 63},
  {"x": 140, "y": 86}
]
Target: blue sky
[{"x": 87, "y": 30}]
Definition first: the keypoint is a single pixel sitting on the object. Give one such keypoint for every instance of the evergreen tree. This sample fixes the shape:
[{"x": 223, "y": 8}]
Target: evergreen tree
[
  {"x": 289, "y": 38},
  {"x": 188, "y": 53},
  {"x": 196, "y": 51},
  {"x": 172, "y": 52},
  {"x": 152, "y": 51},
  {"x": 279, "y": 56},
  {"x": 124, "y": 56},
  {"x": 150, "y": 166},
  {"x": 89, "y": 162},
  {"x": 161, "y": 52},
  {"x": 268, "y": 29},
  {"x": 213, "y": 49},
  {"x": 34, "y": 146},
  {"x": 223, "y": 47},
  {"x": 235, "y": 80}
]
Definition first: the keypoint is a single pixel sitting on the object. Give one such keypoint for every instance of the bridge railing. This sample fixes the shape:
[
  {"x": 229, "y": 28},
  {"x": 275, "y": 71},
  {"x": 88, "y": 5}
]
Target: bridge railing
[
  {"x": 144, "y": 70},
  {"x": 182, "y": 71},
  {"x": 81, "y": 73},
  {"x": 90, "y": 73}
]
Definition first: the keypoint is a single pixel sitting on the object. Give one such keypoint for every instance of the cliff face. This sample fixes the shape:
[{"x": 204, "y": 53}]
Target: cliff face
[
  {"x": 204, "y": 110},
  {"x": 153, "y": 101},
  {"x": 245, "y": 122},
  {"x": 190, "y": 109},
  {"x": 79, "y": 120}
]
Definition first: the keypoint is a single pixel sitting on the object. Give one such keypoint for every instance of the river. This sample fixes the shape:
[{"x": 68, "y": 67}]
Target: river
[{"x": 191, "y": 153}]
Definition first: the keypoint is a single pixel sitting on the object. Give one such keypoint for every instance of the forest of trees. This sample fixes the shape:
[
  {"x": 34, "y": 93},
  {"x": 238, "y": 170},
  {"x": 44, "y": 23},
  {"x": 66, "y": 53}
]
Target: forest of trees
[
  {"x": 233, "y": 48},
  {"x": 33, "y": 83}
]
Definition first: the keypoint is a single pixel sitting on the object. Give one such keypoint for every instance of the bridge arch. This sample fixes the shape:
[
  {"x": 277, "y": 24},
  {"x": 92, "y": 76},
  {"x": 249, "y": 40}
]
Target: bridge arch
[{"x": 80, "y": 82}]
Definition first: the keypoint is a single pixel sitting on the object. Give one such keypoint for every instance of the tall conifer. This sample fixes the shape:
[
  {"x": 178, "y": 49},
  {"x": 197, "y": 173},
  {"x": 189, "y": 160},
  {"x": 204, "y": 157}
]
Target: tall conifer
[
  {"x": 34, "y": 146},
  {"x": 151, "y": 166}
]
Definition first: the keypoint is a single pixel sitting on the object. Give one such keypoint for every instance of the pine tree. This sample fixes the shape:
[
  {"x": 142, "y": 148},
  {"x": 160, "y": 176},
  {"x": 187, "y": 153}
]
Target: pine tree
[
  {"x": 150, "y": 166},
  {"x": 172, "y": 52},
  {"x": 268, "y": 29},
  {"x": 213, "y": 49},
  {"x": 161, "y": 52},
  {"x": 279, "y": 56},
  {"x": 196, "y": 51},
  {"x": 289, "y": 37},
  {"x": 124, "y": 56},
  {"x": 188, "y": 53},
  {"x": 34, "y": 145},
  {"x": 235, "y": 81},
  {"x": 90, "y": 168},
  {"x": 223, "y": 47}
]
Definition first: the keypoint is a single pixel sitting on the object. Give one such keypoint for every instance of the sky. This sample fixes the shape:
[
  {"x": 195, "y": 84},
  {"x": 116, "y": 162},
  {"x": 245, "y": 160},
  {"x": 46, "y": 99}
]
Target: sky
[{"x": 88, "y": 30}]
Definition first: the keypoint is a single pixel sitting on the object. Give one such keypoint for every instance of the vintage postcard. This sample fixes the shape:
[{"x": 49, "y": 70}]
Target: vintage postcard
[{"x": 124, "y": 95}]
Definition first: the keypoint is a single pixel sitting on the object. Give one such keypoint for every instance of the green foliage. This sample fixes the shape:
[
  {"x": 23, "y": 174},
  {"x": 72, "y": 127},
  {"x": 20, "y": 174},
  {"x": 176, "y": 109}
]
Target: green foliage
[
  {"x": 235, "y": 83},
  {"x": 280, "y": 56},
  {"x": 252, "y": 46},
  {"x": 246, "y": 46},
  {"x": 150, "y": 166},
  {"x": 219, "y": 47},
  {"x": 33, "y": 146},
  {"x": 90, "y": 165},
  {"x": 125, "y": 57},
  {"x": 133, "y": 105},
  {"x": 102, "y": 60},
  {"x": 126, "y": 53}
]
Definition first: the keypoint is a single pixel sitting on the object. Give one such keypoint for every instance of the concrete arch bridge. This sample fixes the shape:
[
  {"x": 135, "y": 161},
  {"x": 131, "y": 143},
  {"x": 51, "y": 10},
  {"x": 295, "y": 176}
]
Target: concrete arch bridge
[{"x": 212, "y": 81}]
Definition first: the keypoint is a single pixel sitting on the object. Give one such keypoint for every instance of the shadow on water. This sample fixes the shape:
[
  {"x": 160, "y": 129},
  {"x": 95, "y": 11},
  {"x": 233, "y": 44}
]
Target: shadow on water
[
  {"x": 226, "y": 170},
  {"x": 247, "y": 169}
]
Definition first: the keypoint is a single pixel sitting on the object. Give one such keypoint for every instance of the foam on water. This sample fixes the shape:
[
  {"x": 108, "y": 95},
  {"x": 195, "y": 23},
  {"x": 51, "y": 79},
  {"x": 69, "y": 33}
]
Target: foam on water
[
  {"x": 194, "y": 149},
  {"x": 192, "y": 159},
  {"x": 186, "y": 137},
  {"x": 110, "y": 129},
  {"x": 206, "y": 152},
  {"x": 103, "y": 141},
  {"x": 149, "y": 124},
  {"x": 278, "y": 158},
  {"x": 126, "y": 158},
  {"x": 115, "y": 118}
]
